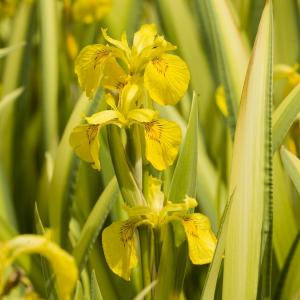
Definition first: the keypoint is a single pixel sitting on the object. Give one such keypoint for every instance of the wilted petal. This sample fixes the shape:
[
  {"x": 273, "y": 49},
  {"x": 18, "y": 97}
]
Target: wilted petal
[
  {"x": 85, "y": 142},
  {"x": 166, "y": 79},
  {"x": 162, "y": 141},
  {"x": 118, "y": 242},
  {"x": 89, "y": 67},
  {"x": 201, "y": 240}
]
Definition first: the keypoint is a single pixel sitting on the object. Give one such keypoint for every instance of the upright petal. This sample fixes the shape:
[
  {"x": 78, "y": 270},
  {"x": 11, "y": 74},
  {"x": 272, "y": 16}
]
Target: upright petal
[
  {"x": 122, "y": 44},
  {"x": 154, "y": 195},
  {"x": 166, "y": 79},
  {"x": 144, "y": 37},
  {"x": 89, "y": 67},
  {"x": 162, "y": 141},
  {"x": 201, "y": 240},
  {"x": 118, "y": 242},
  {"x": 85, "y": 142}
]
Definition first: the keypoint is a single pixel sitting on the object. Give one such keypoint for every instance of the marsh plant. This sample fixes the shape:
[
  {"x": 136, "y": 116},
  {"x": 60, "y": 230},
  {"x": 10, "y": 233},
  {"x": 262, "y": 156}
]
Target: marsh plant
[{"x": 149, "y": 149}]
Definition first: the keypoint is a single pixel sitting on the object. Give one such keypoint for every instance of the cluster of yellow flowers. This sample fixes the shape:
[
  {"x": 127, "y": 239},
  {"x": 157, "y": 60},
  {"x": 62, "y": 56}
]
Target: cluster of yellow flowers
[{"x": 132, "y": 77}]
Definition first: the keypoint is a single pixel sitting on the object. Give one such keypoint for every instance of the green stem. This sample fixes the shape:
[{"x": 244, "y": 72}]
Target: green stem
[
  {"x": 129, "y": 188},
  {"x": 145, "y": 243},
  {"x": 49, "y": 50},
  {"x": 157, "y": 248}
]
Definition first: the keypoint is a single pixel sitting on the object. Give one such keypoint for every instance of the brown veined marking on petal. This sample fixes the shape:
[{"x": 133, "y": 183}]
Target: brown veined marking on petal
[
  {"x": 120, "y": 85},
  {"x": 192, "y": 226},
  {"x": 100, "y": 55},
  {"x": 91, "y": 132},
  {"x": 153, "y": 130},
  {"x": 160, "y": 65},
  {"x": 127, "y": 231}
]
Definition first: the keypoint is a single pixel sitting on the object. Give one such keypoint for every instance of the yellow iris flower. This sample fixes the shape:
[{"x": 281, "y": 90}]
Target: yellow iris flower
[
  {"x": 88, "y": 11},
  {"x": 63, "y": 264},
  {"x": 119, "y": 241},
  {"x": 164, "y": 76},
  {"x": 162, "y": 137}
]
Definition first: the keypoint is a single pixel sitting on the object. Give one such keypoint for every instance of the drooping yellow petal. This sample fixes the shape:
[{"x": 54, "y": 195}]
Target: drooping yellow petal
[
  {"x": 88, "y": 11},
  {"x": 166, "y": 79},
  {"x": 162, "y": 141},
  {"x": 89, "y": 67},
  {"x": 201, "y": 240},
  {"x": 118, "y": 242},
  {"x": 63, "y": 264},
  {"x": 114, "y": 77},
  {"x": 85, "y": 142}
]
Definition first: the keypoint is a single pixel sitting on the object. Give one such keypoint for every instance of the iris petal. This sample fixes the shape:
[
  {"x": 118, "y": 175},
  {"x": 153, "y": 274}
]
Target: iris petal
[
  {"x": 201, "y": 240},
  {"x": 166, "y": 79},
  {"x": 85, "y": 142},
  {"x": 89, "y": 67},
  {"x": 162, "y": 142},
  {"x": 118, "y": 242}
]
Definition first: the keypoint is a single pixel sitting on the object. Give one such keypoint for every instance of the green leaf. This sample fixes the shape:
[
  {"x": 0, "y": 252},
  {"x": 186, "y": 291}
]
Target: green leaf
[
  {"x": 95, "y": 290},
  {"x": 184, "y": 34},
  {"x": 285, "y": 225},
  {"x": 248, "y": 234},
  {"x": 7, "y": 213},
  {"x": 14, "y": 65},
  {"x": 289, "y": 282},
  {"x": 207, "y": 177},
  {"x": 185, "y": 174},
  {"x": 284, "y": 116},
  {"x": 49, "y": 53},
  {"x": 286, "y": 30},
  {"x": 170, "y": 280},
  {"x": 8, "y": 50},
  {"x": 209, "y": 289},
  {"x": 9, "y": 99},
  {"x": 94, "y": 223},
  {"x": 65, "y": 172},
  {"x": 141, "y": 295},
  {"x": 78, "y": 291},
  {"x": 231, "y": 53},
  {"x": 292, "y": 166}
]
